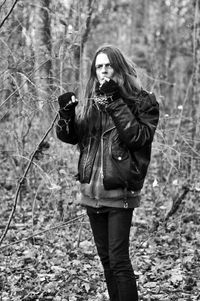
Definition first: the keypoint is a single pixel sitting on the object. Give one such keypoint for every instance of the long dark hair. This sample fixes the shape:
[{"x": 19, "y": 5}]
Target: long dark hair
[{"x": 124, "y": 74}]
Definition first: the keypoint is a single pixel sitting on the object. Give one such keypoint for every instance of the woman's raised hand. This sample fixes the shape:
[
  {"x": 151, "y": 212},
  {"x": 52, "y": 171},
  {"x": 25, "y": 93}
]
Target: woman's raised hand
[{"x": 67, "y": 101}]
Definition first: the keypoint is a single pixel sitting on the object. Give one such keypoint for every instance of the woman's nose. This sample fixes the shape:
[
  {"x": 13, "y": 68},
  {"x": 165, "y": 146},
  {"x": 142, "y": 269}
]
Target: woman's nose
[{"x": 104, "y": 69}]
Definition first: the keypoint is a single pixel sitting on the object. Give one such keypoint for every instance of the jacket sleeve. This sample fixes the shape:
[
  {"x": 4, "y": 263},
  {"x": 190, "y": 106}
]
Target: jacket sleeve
[
  {"x": 136, "y": 127},
  {"x": 66, "y": 128}
]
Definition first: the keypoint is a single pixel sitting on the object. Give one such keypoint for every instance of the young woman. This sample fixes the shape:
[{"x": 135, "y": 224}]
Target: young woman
[{"x": 114, "y": 134}]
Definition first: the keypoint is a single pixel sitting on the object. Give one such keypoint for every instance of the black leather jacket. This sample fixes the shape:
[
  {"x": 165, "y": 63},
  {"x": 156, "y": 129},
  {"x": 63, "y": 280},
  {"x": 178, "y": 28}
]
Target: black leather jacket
[{"x": 126, "y": 144}]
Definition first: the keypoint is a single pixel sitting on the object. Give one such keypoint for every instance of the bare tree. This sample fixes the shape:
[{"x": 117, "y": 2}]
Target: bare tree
[
  {"x": 42, "y": 49},
  {"x": 196, "y": 91}
]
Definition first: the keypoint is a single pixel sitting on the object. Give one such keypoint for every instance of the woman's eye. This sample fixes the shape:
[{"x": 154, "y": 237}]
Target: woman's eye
[{"x": 100, "y": 66}]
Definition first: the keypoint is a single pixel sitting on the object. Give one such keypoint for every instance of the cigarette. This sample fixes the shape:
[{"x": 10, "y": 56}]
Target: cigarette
[{"x": 105, "y": 79}]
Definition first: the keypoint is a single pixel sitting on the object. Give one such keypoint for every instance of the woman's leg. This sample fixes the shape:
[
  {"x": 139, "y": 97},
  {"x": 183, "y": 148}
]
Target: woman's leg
[
  {"x": 99, "y": 224},
  {"x": 119, "y": 223}
]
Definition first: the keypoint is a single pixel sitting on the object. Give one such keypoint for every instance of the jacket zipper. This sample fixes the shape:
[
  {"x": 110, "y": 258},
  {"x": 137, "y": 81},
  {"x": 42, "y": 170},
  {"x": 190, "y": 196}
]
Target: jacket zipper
[
  {"x": 101, "y": 171},
  {"x": 102, "y": 149},
  {"x": 86, "y": 157}
]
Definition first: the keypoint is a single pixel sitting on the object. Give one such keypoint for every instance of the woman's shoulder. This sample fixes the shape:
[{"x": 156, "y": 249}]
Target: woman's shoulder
[{"x": 142, "y": 100}]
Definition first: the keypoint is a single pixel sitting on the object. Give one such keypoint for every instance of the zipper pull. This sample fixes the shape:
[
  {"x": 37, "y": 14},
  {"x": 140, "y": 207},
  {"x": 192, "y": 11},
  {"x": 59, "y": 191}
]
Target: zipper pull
[
  {"x": 125, "y": 204},
  {"x": 125, "y": 197}
]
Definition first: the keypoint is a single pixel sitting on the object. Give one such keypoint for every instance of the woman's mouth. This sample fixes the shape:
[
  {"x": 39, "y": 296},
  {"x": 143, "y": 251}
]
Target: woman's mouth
[{"x": 104, "y": 79}]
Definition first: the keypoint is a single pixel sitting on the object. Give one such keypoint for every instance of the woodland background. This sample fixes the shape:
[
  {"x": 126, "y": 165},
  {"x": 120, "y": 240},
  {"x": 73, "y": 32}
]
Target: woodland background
[{"x": 47, "y": 250}]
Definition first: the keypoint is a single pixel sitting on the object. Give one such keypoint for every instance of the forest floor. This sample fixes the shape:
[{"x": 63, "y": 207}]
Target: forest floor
[{"x": 61, "y": 264}]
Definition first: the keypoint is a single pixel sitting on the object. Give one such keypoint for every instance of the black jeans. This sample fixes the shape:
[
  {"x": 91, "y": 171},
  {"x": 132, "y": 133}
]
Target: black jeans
[{"x": 111, "y": 229}]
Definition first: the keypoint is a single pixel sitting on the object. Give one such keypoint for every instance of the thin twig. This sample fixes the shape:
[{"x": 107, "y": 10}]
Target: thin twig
[
  {"x": 27, "y": 79},
  {"x": 44, "y": 231},
  {"x": 21, "y": 182},
  {"x": 80, "y": 232},
  {"x": 6, "y": 17},
  {"x": 2, "y": 4},
  {"x": 177, "y": 202}
]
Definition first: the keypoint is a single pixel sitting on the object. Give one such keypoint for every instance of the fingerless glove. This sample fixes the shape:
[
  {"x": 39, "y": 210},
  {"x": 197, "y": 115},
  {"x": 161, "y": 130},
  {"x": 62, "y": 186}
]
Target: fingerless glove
[
  {"x": 110, "y": 89},
  {"x": 67, "y": 106},
  {"x": 106, "y": 93}
]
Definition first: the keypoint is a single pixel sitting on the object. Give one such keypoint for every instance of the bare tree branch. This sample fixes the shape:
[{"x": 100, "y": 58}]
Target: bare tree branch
[
  {"x": 44, "y": 231},
  {"x": 7, "y": 16},
  {"x": 21, "y": 182},
  {"x": 2, "y": 4},
  {"x": 177, "y": 202}
]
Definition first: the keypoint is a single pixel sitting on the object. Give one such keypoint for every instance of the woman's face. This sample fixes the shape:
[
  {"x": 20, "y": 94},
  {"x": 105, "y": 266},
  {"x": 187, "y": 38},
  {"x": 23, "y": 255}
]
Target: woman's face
[{"x": 103, "y": 68}]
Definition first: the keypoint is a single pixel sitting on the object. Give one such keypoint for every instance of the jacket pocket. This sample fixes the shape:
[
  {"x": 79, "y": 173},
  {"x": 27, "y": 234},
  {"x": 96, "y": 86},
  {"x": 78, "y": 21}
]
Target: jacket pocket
[
  {"x": 121, "y": 168},
  {"x": 119, "y": 154},
  {"x": 117, "y": 149},
  {"x": 117, "y": 164}
]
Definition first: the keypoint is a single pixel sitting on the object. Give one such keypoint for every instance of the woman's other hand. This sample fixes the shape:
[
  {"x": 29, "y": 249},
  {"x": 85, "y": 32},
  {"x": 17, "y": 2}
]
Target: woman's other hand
[{"x": 67, "y": 101}]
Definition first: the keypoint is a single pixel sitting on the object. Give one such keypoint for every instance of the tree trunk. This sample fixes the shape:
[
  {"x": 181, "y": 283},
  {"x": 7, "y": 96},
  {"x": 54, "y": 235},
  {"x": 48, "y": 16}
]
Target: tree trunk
[
  {"x": 42, "y": 49},
  {"x": 196, "y": 93}
]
